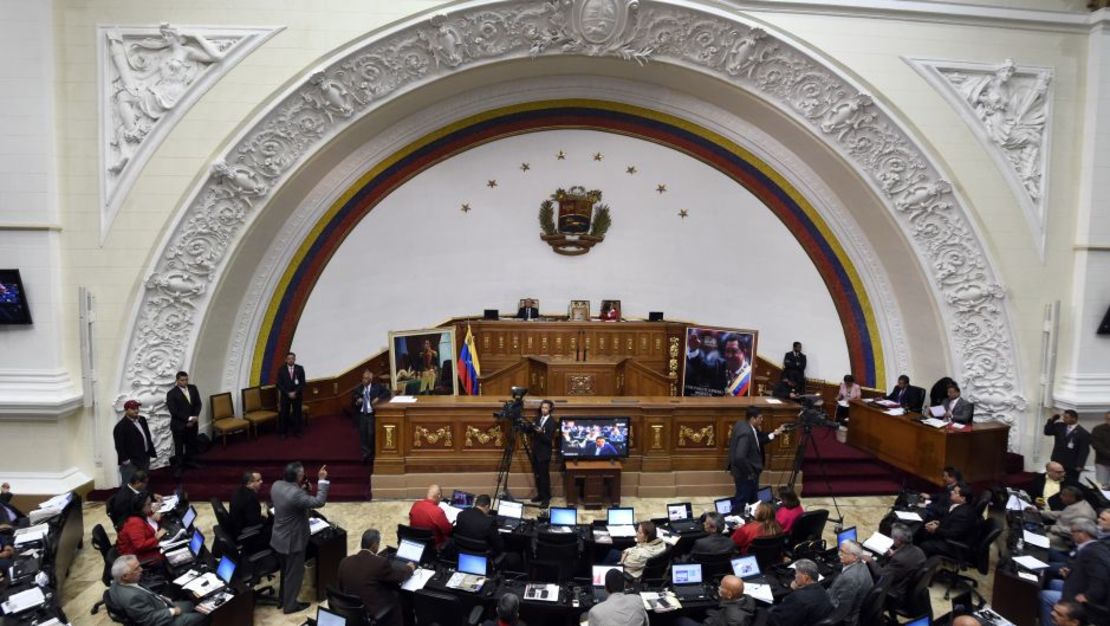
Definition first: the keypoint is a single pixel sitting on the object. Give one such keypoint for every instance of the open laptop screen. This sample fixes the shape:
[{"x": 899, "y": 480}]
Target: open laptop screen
[
  {"x": 599, "y": 572},
  {"x": 848, "y": 534},
  {"x": 765, "y": 495},
  {"x": 196, "y": 543},
  {"x": 472, "y": 564},
  {"x": 686, "y": 574},
  {"x": 189, "y": 517},
  {"x": 225, "y": 570},
  {"x": 745, "y": 567},
  {"x": 622, "y": 516},
  {"x": 325, "y": 617},
  {"x": 679, "y": 512},
  {"x": 410, "y": 550},
  {"x": 514, "y": 510},
  {"x": 564, "y": 517},
  {"x": 723, "y": 506}
]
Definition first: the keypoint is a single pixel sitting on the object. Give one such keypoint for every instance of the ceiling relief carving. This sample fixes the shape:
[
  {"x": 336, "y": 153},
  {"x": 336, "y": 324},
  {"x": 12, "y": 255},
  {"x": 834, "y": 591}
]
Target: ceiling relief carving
[{"x": 178, "y": 286}]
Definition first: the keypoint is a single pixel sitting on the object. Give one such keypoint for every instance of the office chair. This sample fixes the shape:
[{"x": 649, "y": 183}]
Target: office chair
[{"x": 443, "y": 609}]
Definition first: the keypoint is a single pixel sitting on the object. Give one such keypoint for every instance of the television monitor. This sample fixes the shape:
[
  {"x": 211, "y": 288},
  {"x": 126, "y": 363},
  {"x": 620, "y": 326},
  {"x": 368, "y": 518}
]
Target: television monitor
[
  {"x": 723, "y": 506},
  {"x": 225, "y": 570},
  {"x": 848, "y": 534},
  {"x": 599, "y": 572},
  {"x": 462, "y": 499},
  {"x": 410, "y": 550},
  {"x": 564, "y": 517},
  {"x": 679, "y": 511},
  {"x": 510, "y": 509},
  {"x": 325, "y": 617},
  {"x": 189, "y": 517},
  {"x": 594, "y": 437},
  {"x": 765, "y": 495},
  {"x": 472, "y": 564},
  {"x": 745, "y": 567},
  {"x": 686, "y": 573},
  {"x": 622, "y": 516},
  {"x": 196, "y": 544},
  {"x": 14, "y": 308}
]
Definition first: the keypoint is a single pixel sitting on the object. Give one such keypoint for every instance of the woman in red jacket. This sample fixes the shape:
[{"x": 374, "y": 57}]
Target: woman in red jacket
[
  {"x": 790, "y": 510},
  {"x": 764, "y": 525},
  {"x": 139, "y": 534}
]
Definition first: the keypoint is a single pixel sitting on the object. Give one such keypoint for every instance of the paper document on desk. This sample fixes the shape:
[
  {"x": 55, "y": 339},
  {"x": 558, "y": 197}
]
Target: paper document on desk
[
  {"x": 772, "y": 401},
  {"x": 843, "y": 403},
  {"x": 316, "y": 524},
  {"x": 23, "y": 600},
  {"x": 887, "y": 403},
  {"x": 403, "y": 399},
  {"x": 418, "y": 579},
  {"x": 957, "y": 426},
  {"x": 659, "y": 602},
  {"x": 169, "y": 503},
  {"x": 895, "y": 412},
  {"x": 760, "y": 592},
  {"x": 1014, "y": 503},
  {"x": 908, "y": 516},
  {"x": 627, "y": 530},
  {"x": 541, "y": 592},
  {"x": 204, "y": 585},
  {"x": 937, "y": 411},
  {"x": 668, "y": 537},
  {"x": 186, "y": 578},
  {"x": 878, "y": 543},
  {"x": 1033, "y": 539},
  {"x": 451, "y": 511},
  {"x": 1028, "y": 576},
  {"x": 31, "y": 534},
  {"x": 934, "y": 422},
  {"x": 1029, "y": 562}
]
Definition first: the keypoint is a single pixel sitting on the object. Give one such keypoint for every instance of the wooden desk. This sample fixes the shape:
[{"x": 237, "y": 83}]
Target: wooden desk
[
  {"x": 238, "y": 611},
  {"x": 601, "y": 483},
  {"x": 978, "y": 451},
  {"x": 330, "y": 547}
]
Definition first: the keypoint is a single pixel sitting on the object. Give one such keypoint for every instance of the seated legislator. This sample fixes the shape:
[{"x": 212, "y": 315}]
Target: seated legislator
[
  {"x": 528, "y": 310},
  {"x": 246, "y": 508},
  {"x": 9, "y": 514},
  {"x": 807, "y": 603},
  {"x": 789, "y": 387},
  {"x": 120, "y": 503},
  {"x": 477, "y": 523},
  {"x": 714, "y": 543},
  {"x": 849, "y": 390},
  {"x": 959, "y": 523},
  {"x": 648, "y": 544},
  {"x": 734, "y": 609},
  {"x": 1087, "y": 575},
  {"x": 956, "y": 408},
  {"x": 507, "y": 612},
  {"x": 1067, "y": 614},
  {"x": 764, "y": 525},
  {"x": 374, "y": 578},
  {"x": 789, "y": 510},
  {"x": 899, "y": 563},
  {"x": 620, "y": 608},
  {"x": 142, "y": 606},
  {"x": 852, "y": 584},
  {"x": 1075, "y": 509},
  {"x": 1045, "y": 489},
  {"x": 906, "y": 395},
  {"x": 426, "y": 514},
  {"x": 140, "y": 533},
  {"x": 940, "y": 501}
]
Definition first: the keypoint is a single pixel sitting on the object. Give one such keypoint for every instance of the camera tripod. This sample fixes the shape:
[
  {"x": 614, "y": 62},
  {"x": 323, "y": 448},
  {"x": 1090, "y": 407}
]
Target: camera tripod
[
  {"x": 804, "y": 440},
  {"x": 513, "y": 436}
]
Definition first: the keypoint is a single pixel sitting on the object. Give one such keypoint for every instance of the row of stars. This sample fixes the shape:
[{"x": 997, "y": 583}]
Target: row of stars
[{"x": 683, "y": 213}]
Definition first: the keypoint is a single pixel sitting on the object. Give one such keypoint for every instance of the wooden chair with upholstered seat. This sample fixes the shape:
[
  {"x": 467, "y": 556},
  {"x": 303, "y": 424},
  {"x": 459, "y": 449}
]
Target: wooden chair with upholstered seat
[
  {"x": 254, "y": 411},
  {"x": 224, "y": 420}
]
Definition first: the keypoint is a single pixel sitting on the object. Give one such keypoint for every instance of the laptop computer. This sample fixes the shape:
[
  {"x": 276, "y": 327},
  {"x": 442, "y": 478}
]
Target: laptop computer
[
  {"x": 225, "y": 571},
  {"x": 409, "y": 552},
  {"x": 723, "y": 506},
  {"x": 462, "y": 499},
  {"x": 599, "y": 572},
  {"x": 325, "y": 617},
  {"x": 622, "y": 522},
  {"x": 848, "y": 534},
  {"x": 471, "y": 573},
  {"x": 510, "y": 514},
  {"x": 765, "y": 495},
  {"x": 563, "y": 516},
  {"x": 681, "y": 517},
  {"x": 746, "y": 568},
  {"x": 686, "y": 580},
  {"x": 188, "y": 554}
]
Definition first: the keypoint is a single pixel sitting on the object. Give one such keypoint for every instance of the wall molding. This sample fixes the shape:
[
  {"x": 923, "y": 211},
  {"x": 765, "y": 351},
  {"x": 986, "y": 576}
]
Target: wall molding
[
  {"x": 30, "y": 395},
  {"x": 163, "y": 325},
  {"x": 46, "y": 483},
  {"x": 149, "y": 77},
  {"x": 1084, "y": 393}
]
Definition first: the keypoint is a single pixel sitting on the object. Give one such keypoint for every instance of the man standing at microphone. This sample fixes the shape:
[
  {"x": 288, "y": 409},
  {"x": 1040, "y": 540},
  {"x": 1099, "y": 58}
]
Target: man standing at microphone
[{"x": 293, "y": 506}]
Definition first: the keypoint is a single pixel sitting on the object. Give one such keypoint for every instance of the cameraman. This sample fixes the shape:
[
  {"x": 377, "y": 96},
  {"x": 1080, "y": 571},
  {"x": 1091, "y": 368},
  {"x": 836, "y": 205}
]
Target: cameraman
[
  {"x": 745, "y": 456},
  {"x": 543, "y": 436}
]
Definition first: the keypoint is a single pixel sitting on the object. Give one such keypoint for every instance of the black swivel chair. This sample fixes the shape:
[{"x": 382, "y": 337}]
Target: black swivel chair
[
  {"x": 916, "y": 602},
  {"x": 871, "y": 611},
  {"x": 423, "y": 535},
  {"x": 353, "y": 610},
  {"x": 975, "y": 554},
  {"x": 250, "y": 539},
  {"x": 107, "y": 550},
  {"x": 655, "y": 569},
  {"x": 768, "y": 551},
  {"x": 808, "y": 527},
  {"x": 254, "y": 568},
  {"x": 114, "y": 611},
  {"x": 554, "y": 557},
  {"x": 713, "y": 566},
  {"x": 442, "y": 609}
]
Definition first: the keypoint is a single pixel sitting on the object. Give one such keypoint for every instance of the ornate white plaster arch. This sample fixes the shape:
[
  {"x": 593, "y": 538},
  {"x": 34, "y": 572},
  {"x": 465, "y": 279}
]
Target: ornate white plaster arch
[{"x": 692, "y": 34}]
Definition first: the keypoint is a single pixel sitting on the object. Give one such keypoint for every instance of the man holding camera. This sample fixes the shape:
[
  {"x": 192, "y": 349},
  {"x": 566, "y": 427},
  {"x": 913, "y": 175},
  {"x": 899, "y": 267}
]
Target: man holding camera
[{"x": 1072, "y": 442}]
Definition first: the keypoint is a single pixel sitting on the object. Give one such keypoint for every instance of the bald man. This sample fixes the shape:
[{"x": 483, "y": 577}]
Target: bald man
[
  {"x": 427, "y": 514},
  {"x": 1046, "y": 487},
  {"x": 735, "y": 609},
  {"x": 966, "y": 620}
]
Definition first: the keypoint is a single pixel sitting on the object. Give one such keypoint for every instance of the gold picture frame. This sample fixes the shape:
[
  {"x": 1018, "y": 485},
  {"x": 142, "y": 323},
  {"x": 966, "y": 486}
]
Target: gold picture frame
[{"x": 579, "y": 311}]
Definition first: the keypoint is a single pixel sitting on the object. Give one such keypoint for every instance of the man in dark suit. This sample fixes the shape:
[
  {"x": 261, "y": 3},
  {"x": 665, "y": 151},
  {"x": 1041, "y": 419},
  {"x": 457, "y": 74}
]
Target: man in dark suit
[
  {"x": 902, "y": 560},
  {"x": 959, "y": 523},
  {"x": 807, "y": 604},
  {"x": 795, "y": 361},
  {"x": 289, "y": 538},
  {"x": 290, "y": 384},
  {"x": 528, "y": 310},
  {"x": 476, "y": 523},
  {"x": 543, "y": 440},
  {"x": 365, "y": 397},
  {"x": 184, "y": 404},
  {"x": 713, "y": 543},
  {"x": 374, "y": 578},
  {"x": 134, "y": 445},
  {"x": 1071, "y": 442},
  {"x": 121, "y": 503},
  {"x": 940, "y": 502},
  {"x": 246, "y": 509},
  {"x": 1087, "y": 575},
  {"x": 1047, "y": 486},
  {"x": 9, "y": 514},
  {"x": 745, "y": 456},
  {"x": 143, "y": 606},
  {"x": 906, "y": 395}
]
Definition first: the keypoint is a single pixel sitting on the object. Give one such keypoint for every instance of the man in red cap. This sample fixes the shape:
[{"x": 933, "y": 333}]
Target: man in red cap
[{"x": 134, "y": 445}]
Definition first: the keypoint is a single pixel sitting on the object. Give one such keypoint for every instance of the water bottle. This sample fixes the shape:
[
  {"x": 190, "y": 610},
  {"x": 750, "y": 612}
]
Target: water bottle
[{"x": 1020, "y": 544}]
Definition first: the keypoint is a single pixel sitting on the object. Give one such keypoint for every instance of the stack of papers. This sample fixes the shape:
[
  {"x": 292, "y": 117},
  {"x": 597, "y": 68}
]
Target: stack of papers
[
  {"x": 602, "y": 536},
  {"x": 540, "y": 592},
  {"x": 886, "y": 403},
  {"x": 204, "y": 585},
  {"x": 50, "y": 508},
  {"x": 1033, "y": 539},
  {"x": 908, "y": 516},
  {"x": 31, "y": 534},
  {"x": 316, "y": 524},
  {"x": 895, "y": 412},
  {"x": 185, "y": 578},
  {"x": 1029, "y": 562},
  {"x": 169, "y": 503},
  {"x": 934, "y": 422},
  {"x": 759, "y": 591},
  {"x": 418, "y": 579},
  {"x": 659, "y": 602},
  {"x": 403, "y": 399},
  {"x": 668, "y": 537},
  {"x": 772, "y": 401},
  {"x": 23, "y": 600},
  {"x": 878, "y": 543},
  {"x": 451, "y": 511}
]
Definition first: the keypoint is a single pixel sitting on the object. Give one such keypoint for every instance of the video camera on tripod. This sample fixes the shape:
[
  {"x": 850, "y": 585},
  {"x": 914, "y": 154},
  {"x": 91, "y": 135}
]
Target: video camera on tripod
[
  {"x": 513, "y": 410},
  {"x": 811, "y": 415}
]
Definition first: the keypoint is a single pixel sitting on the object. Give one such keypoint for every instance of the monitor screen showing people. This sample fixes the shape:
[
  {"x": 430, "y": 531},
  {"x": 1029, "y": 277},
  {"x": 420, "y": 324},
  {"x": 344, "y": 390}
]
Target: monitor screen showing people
[
  {"x": 686, "y": 574},
  {"x": 679, "y": 512},
  {"x": 595, "y": 437}
]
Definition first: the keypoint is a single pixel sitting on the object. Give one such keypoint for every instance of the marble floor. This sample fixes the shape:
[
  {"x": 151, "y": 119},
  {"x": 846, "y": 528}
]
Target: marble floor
[{"x": 84, "y": 587}]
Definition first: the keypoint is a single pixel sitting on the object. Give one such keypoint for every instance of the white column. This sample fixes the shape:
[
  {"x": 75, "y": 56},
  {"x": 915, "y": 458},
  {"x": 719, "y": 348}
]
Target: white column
[{"x": 1083, "y": 383}]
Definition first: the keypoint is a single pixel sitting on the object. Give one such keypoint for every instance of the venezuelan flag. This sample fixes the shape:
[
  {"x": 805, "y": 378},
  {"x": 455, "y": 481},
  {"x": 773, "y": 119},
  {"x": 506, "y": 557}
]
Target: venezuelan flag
[{"x": 469, "y": 370}]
